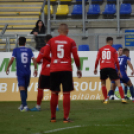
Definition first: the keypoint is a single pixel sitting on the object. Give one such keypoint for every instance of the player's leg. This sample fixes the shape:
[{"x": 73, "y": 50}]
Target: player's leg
[
  {"x": 103, "y": 77},
  {"x": 129, "y": 83},
  {"x": 55, "y": 81},
  {"x": 26, "y": 83},
  {"x": 118, "y": 84},
  {"x": 40, "y": 93},
  {"x": 21, "y": 85},
  {"x": 126, "y": 80},
  {"x": 111, "y": 92},
  {"x": 53, "y": 105},
  {"x": 126, "y": 89},
  {"x": 114, "y": 76},
  {"x": 104, "y": 91},
  {"x": 67, "y": 83}
]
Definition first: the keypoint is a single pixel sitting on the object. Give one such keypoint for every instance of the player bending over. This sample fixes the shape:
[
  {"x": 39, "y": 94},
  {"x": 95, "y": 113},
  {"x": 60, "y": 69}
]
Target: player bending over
[
  {"x": 107, "y": 56},
  {"x": 44, "y": 78},
  {"x": 124, "y": 60},
  {"x": 61, "y": 48},
  {"x": 23, "y": 58}
]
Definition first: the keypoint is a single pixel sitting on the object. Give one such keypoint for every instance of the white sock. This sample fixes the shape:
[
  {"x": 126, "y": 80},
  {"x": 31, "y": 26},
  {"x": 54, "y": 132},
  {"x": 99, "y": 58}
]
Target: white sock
[
  {"x": 25, "y": 107},
  {"x": 38, "y": 106},
  {"x": 57, "y": 106}
]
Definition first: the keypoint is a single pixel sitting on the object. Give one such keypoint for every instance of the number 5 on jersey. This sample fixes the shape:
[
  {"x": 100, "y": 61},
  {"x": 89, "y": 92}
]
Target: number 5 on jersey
[{"x": 60, "y": 51}]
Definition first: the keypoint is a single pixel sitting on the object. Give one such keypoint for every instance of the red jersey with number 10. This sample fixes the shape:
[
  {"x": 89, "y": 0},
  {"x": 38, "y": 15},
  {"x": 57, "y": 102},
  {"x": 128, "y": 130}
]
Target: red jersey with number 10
[
  {"x": 61, "y": 48},
  {"x": 108, "y": 58}
]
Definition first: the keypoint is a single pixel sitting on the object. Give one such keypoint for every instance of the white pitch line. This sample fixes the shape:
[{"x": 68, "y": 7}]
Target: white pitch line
[
  {"x": 60, "y": 129},
  {"x": 78, "y": 126}
]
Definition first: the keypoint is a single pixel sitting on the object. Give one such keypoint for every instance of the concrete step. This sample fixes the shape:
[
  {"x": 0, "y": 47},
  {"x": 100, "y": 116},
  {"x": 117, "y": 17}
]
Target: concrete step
[
  {"x": 20, "y": 9},
  {"x": 19, "y": 17},
  {"x": 17, "y": 31},
  {"x": 21, "y": 0},
  {"x": 18, "y": 27},
  {"x": 5, "y": 4},
  {"x": 18, "y": 13}
]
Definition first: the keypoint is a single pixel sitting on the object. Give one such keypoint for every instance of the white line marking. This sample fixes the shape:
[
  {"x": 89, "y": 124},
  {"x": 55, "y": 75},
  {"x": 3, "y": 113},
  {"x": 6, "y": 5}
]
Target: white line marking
[
  {"x": 78, "y": 126},
  {"x": 60, "y": 129}
]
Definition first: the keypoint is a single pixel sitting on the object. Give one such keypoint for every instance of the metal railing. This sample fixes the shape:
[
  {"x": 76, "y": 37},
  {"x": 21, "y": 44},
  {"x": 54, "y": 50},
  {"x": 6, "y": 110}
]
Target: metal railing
[
  {"x": 4, "y": 29},
  {"x": 95, "y": 38}
]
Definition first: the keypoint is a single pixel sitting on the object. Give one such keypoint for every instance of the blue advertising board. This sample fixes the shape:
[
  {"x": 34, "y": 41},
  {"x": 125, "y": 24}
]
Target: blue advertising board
[{"x": 129, "y": 39}]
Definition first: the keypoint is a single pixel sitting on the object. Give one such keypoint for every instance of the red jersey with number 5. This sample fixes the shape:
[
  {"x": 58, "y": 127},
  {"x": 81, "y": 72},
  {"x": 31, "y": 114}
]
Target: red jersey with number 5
[
  {"x": 61, "y": 48},
  {"x": 108, "y": 58}
]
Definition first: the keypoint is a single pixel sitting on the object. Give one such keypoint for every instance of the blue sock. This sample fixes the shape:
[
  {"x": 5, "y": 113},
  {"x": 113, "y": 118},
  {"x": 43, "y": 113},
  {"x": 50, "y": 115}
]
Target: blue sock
[
  {"x": 132, "y": 91},
  {"x": 126, "y": 90},
  {"x": 23, "y": 97},
  {"x": 26, "y": 93},
  {"x": 111, "y": 92}
]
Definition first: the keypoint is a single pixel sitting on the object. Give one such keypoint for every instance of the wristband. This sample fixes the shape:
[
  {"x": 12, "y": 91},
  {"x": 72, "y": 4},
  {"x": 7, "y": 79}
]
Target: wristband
[{"x": 35, "y": 69}]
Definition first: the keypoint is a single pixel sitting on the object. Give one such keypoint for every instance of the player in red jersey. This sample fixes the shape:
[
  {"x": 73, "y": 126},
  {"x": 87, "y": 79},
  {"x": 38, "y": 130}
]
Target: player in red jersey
[
  {"x": 44, "y": 78},
  {"x": 108, "y": 57},
  {"x": 61, "y": 48}
]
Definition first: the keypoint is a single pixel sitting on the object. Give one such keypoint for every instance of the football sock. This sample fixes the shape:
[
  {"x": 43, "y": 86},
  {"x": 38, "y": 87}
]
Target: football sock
[
  {"x": 121, "y": 92},
  {"x": 53, "y": 104},
  {"x": 104, "y": 92},
  {"x": 39, "y": 96},
  {"x": 126, "y": 90},
  {"x": 23, "y": 98},
  {"x": 66, "y": 105},
  {"x": 111, "y": 92},
  {"x": 26, "y": 93},
  {"x": 132, "y": 91}
]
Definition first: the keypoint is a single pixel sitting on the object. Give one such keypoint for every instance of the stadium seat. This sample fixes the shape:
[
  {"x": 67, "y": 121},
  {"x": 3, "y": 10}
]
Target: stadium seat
[
  {"x": 77, "y": 10},
  {"x": 125, "y": 9},
  {"x": 117, "y": 46},
  {"x": 51, "y": 9},
  {"x": 110, "y": 9},
  {"x": 94, "y": 9},
  {"x": 62, "y": 10},
  {"x": 83, "y": 47}
]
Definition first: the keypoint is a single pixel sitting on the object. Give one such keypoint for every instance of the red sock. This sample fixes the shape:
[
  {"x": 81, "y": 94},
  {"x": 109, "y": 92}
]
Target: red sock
[
  {"x": 104, "y": 92},
  {"x": 39, "y": 96},
  {"x": 53, "y": 104},
  {"x": 66, "y": 105},
  {"x": 121, "y": 92}
]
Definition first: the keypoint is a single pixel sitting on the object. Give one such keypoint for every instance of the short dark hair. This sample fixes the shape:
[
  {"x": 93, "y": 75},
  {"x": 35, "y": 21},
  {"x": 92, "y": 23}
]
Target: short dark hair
[
  {"x": 48, "y": 37},
  {"x": 120, "y": 48},
  {"x": 125, "y": 50},
  {"x": 22, "y": 41},
  {"x": 109, "y": 39}
]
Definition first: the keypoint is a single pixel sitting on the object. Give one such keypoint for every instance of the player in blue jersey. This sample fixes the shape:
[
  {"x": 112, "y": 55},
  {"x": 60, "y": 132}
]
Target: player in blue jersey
[
  {"x": 124, "y": 60},
  {"x": 23, "y": 58}
]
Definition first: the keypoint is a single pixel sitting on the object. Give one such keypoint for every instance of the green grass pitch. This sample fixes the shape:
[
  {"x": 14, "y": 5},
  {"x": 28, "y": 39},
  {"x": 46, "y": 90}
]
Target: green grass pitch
[{"x": 90, "y": 117}]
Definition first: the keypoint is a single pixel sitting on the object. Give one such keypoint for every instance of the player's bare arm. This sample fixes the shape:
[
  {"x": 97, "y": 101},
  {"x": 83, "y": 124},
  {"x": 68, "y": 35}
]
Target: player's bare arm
[
  {"x": 96, "y": 63},
  {"x": 35, "y": 67},
  {"x": 77, "y": 61},
  {"x": 130, "y": 66},
  {"x": 9, "y": 64}
]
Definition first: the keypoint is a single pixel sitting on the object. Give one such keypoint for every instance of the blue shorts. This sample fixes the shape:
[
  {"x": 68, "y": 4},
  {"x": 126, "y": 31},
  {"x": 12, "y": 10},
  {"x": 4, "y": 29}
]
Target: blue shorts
[
  {"x": 23, "y": 80},
  {"x": 124, "y": 78}
]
